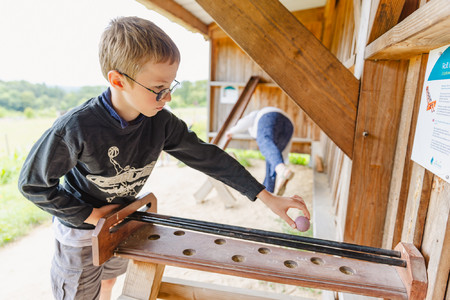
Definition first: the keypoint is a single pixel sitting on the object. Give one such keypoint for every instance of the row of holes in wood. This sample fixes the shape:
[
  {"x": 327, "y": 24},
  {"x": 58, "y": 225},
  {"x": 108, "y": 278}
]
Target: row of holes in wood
[{"x": 240, "y": 258}]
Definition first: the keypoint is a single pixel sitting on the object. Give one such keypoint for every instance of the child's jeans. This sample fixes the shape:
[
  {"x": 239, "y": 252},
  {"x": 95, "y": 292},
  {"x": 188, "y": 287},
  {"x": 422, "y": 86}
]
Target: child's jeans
[{"x": 274, "y": 133}]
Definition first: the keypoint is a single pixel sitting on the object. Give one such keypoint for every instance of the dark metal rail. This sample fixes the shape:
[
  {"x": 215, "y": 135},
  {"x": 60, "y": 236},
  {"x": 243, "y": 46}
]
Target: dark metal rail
[{"x": 354, "y": 251}]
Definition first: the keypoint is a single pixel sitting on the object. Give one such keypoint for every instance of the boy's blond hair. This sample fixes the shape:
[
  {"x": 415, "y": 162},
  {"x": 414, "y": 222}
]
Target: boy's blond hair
[{"x": 130, "y": 42}]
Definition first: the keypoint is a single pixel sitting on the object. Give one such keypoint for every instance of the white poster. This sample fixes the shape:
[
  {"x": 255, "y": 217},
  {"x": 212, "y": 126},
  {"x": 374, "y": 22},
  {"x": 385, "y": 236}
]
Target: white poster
[
  {"x": 229, "y": 94},
  {"x": 431, "y": 147}
]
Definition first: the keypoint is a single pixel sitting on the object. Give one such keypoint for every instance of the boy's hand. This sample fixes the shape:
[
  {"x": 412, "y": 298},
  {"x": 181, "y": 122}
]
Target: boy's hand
[
  {"x": 98, "y": 213},
  {"x": 280, "y": 205}
]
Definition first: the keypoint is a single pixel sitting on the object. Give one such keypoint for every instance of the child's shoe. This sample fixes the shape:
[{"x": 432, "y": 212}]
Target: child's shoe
[{"x": 282, "y": 181}]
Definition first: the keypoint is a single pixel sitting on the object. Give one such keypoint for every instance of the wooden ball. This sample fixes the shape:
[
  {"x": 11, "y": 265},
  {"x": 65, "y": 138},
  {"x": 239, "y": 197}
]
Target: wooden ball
[{"x": 302, "y": 223}]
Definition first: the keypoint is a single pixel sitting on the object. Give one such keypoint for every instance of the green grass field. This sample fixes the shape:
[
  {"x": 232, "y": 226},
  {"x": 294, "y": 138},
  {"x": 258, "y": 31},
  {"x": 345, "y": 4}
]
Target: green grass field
[
  {"x": 20, "y": 133},
  {"x": 17, "y": 215}
]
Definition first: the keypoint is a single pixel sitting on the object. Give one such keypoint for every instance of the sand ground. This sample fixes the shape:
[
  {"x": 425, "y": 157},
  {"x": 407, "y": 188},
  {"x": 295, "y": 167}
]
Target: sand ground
[{"x": 26, "y": 262}]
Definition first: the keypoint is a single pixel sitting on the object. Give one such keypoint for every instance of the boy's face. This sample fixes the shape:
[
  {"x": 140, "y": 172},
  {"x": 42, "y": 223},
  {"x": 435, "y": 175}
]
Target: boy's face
[{"x": 139, "y": 100}]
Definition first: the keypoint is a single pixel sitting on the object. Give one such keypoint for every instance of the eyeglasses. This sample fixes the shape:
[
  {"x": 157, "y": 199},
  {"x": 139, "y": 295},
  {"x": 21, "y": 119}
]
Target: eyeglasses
[{"x": 162, "y": 94}]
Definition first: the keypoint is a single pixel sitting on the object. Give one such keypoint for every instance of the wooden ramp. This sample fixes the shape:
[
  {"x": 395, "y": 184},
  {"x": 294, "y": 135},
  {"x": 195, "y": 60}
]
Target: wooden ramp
[{"x": 221, "y": 141}]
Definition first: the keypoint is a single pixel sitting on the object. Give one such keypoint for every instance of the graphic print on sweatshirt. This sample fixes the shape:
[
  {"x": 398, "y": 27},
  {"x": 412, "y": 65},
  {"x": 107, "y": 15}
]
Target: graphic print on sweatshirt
[{"x": 126, "y": 179}]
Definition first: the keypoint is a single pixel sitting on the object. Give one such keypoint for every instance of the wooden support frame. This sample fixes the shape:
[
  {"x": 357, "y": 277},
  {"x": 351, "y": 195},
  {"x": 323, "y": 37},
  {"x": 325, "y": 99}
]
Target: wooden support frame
[
  {"x": 151, "y": 247},
  {"x": 405, "y": 190},
  {"x": 143, "y": 280},
  {"x": 295, "y": 60},
  {"x": 424, "y": 30},
  {"x": 173, "y": 10},
  {"x": 376, "y": 134},
  {"x": 401, "y": 173},
  {"x": 436, "y": 238},
  {"x": 176, "y": 289},
  {"x": 103, "y": 239},
  {"x": 411, "y": 37},
  {"x": 417, "y": 205},
  {"x": 236, "y": 112},
  {"x": 387, "y": 15}
]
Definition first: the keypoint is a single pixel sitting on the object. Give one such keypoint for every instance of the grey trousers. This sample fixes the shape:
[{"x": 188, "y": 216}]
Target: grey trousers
[{"x": 74, "y": 276}]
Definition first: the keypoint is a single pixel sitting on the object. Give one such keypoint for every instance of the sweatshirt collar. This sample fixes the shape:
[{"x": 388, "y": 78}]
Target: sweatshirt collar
[{"x": 106, "y": 100}]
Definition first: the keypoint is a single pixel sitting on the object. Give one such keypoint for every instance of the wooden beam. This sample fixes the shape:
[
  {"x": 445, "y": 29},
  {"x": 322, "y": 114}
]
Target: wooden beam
[
  {"x": 376, "y": 134},
  {"x": 361, "y": 40},
  {"x": 373, "y": 12},
  {"x": 329, "y": 23},
  {"x": 176, "y": 289},
  {"x": 408, "y": 163},
  {"x": 301, "y": 66},
  {"x": 222, "y": 141},
  {"x": 424, "y": 30},
  {"x": 386, "y": 17},
  {"x": 409, "y": 7},
  {"x": 436, "y": 238},
  {"x": 311, "y": 15},
  {"x": 401, "y": 173},
  {"x": 143, "y": 281},
  {"x": 236, "y": 112},
  {"x": 417, "y": 205},
  {"x": 312, "y": 18},
  {"x": 447, "y": 295},
  {"x": 175, "y": 12}
]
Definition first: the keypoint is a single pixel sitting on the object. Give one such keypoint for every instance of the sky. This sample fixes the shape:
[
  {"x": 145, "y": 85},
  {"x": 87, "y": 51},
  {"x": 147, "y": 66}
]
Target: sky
[{"x": 56, "y": 41}]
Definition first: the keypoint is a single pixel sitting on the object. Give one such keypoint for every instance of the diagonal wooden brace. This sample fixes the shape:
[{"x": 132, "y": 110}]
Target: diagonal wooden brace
[{"x": 222, "y": 142}]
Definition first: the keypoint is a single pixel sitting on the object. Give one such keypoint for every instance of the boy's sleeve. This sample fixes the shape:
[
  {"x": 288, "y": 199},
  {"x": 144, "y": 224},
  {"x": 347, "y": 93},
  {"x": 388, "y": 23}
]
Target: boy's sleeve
[
  {"x": 39, "y": 180},
  {"x": 184, "y": 145}
]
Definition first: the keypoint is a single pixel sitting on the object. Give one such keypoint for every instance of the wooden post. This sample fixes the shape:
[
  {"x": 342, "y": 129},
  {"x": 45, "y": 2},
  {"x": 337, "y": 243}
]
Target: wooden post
[
  {"x": 143, "y": 281},
  {"x": 172, "y": 10},
  {"x": 417, "y": 205},
  {"x": 414, "y": 277},
  {"x": 420, "y": 32},
  {"x": 401, "y": 173},
  {"x": 436, "y": 238},
  {"x": 387, "y": 15},
  {"x": 375, "y": 139}
]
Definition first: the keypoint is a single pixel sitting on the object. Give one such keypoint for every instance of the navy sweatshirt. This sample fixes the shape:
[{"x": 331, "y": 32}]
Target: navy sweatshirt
[{"x": 103, "y": 163}]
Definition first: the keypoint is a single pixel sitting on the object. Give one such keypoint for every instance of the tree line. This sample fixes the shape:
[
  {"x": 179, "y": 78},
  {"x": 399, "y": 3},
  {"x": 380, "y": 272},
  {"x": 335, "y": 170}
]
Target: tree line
[{"x": 25, "y": 97}]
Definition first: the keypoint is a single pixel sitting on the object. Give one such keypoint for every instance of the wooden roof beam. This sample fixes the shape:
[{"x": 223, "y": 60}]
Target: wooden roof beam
[
  {"x": 301, "y": 66},
  {"x": 387, "y": 15},
  {"x": 177, "y": 13},
  {"x": 424, "y": 30}
]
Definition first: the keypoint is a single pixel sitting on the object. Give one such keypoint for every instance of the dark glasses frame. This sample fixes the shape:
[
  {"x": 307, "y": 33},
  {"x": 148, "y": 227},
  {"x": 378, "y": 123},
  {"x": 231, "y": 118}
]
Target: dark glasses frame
[{"x": 159, "y": 95}]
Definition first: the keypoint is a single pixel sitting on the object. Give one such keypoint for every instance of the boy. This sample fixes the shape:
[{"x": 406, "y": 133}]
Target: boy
[{"x": 107, "y": 147}]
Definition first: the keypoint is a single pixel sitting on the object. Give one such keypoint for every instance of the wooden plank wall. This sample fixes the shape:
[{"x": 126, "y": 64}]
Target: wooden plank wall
[
  {"x": 340, "y": 37},
  {"x": 418, "y": 206},
  {"x": 231, "y": 66}
]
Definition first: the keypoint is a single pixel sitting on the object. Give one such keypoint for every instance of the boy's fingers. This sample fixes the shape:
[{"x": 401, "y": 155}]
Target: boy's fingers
[
  {"x": 300, "y": 204},
  {"x": 288, "y": 220}
]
